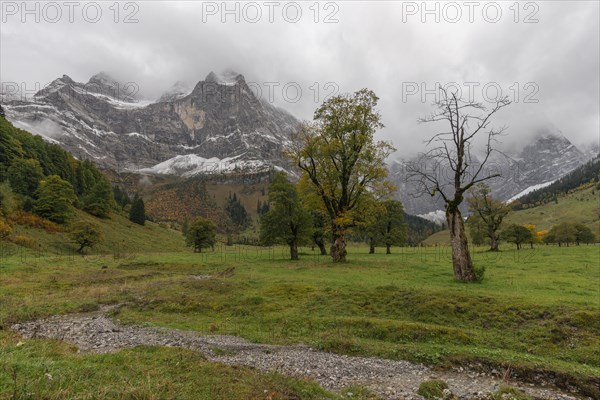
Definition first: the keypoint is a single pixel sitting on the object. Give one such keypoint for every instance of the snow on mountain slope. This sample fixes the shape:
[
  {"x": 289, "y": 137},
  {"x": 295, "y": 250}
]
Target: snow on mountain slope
[
  {"x": 191, "y": 165},
  {"x": 530, "y": 189}
]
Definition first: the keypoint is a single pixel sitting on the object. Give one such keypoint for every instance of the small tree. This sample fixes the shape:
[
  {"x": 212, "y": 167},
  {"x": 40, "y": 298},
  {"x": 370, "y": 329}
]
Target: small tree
[
  {"x": 564, "y": 232},
  {"x": 137, "y": 214},
  {"x": 55, "y": 198},
  {"x": 517, "y": 234},
  {"x": 387, "y": 225},
  {"x": 288, "y": 220},
  {"x": 536, "y": 238},
  {"x": 237, "y": 213},
  {"x": 201, "y": 234},
  {"x": 394, "y": 229},
  {"x": 477, "y": 230},
  {"x": 583, "y": 234},
  {"x": 488, "y": 210},
  {"x": 85, "y": 234},
  {"x": 7, "y": 200},
  {"x": 121, "y": 197},
  {"x": 100, "y": 200}
]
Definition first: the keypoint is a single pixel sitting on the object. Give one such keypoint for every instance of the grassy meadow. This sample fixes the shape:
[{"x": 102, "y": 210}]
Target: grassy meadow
[{"x": 537, "y": 310}]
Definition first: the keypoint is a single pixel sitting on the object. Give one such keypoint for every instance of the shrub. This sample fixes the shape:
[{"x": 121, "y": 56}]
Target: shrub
[
  {"x": 25, "y": 241},
  {"x": 34, "y": 221},
  {"x": 479, "y": 273},
  {"x": 5, "y": 229},
  {"x": 432, "y": 389},
  {"x": 509, "y": 393}
]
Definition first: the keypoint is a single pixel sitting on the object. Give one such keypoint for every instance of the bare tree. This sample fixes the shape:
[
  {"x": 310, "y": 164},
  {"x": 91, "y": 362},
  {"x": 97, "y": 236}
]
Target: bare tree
[{"x": 449, "y": 169}]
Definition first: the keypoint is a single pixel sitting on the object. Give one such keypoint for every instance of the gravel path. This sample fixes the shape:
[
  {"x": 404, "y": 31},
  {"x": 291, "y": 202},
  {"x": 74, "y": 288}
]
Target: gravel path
[{"x": 95, "y": 332}]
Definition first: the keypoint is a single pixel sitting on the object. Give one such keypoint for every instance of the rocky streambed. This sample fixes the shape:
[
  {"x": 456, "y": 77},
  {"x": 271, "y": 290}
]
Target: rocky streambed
[{"x": 96, "y": 332}]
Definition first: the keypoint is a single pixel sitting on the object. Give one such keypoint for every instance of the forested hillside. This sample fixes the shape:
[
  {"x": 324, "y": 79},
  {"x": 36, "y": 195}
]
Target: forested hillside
[{"x": 587, "y": 174}]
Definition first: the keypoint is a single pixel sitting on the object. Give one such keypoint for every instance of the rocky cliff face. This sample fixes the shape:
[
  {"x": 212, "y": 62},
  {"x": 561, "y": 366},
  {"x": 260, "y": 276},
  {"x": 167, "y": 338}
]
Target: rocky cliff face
[
  {"x": 549, "y": 157},
  {"x": 220, "y": 118}
]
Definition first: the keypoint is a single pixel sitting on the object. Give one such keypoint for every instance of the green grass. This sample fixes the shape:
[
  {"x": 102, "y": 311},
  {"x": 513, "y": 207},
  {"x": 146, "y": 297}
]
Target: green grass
[
  {"x": 579, "y": 206},
  {"x": 537, "y": 310},
  {"x": 51, "y": 370},
  {"x": 121, "y": 237}
]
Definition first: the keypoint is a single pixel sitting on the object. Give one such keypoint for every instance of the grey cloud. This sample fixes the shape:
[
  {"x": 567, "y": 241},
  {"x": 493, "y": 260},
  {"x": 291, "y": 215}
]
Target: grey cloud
[{"x": 370, "y": 47}]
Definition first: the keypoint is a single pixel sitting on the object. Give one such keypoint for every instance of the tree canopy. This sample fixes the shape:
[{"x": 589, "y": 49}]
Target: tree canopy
[
  {"x": 55, "y": 198},
  {"x": 339, "y": 156},
  {"x": 201, "y": 234},
  {"x": 288, "y": 220}
]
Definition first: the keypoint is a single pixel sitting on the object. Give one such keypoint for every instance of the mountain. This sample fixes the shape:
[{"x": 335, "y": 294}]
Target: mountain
[
  {"x": 218, "y": 119},
  {"x": 548, "y": 157}
]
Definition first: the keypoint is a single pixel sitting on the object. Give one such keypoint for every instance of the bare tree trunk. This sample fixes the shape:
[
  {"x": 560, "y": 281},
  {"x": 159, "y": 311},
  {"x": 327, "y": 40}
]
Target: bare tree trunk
[
  {"x": 493, "y": 242},
  {"x": 461, "y": 259},
  {"x": 371, "y": 245},
  {"x": 388, "y": 249},
  {"x": 294, "y": 250},
  {"x": 322, "y": 248},
  {"x": 338, "y": 247}
]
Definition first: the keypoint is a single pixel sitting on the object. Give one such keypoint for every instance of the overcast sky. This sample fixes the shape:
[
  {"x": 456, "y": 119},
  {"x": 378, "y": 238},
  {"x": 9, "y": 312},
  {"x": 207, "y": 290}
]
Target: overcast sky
[{"x": 543, "y": 51}]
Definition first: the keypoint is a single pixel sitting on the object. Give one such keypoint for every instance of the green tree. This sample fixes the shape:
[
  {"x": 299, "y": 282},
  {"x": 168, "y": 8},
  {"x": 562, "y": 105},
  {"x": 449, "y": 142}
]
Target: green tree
[
  {"x": 477, "y": 229},
  {"x": 201, "y": 234},
  {"x": 339, "y": 157},
  {"x": 565, "y": 232},
  {"x": 451, "y": 152},
  {"x": 394, "y": 229},
  {"x": 25, "y": 176},
  {"x": 489, "y": 210},
  {"x": 85, "y": 234},
  {"x": 100, "y": 200},
  {"x": 7, "y": 200},
  {"x": 137, "y": 213},
  {"x": 386, "y": 225},
  {"x": 121, "y": 197},
  {"x": 288, "y": 220},
  {"x": 55, "y": 198},
  {"x": 237, "y": 213},
  {"x": 517, "y": 234},
  {"x": 583, "y": 234}
]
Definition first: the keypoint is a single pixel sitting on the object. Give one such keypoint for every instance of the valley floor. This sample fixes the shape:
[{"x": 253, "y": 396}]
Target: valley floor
[{"x": 535, "y": 319}]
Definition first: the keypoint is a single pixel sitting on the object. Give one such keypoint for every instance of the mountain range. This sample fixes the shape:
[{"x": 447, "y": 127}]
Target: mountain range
[
  {"x": 220, "y": 126},
  {"x": 539, "y": 163},
  {"x": 219, "y": 122}
]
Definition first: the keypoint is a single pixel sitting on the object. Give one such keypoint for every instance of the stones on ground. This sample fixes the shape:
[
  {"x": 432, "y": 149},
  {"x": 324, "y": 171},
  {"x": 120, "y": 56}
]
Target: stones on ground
[{"x": 388, "y": 379}]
